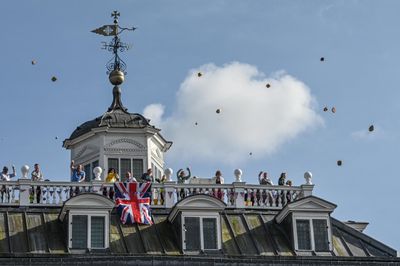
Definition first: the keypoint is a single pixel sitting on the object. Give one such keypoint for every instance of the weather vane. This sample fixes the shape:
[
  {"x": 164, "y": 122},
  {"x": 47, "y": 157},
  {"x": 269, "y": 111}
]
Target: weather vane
[{"x": 116, "y": 66}]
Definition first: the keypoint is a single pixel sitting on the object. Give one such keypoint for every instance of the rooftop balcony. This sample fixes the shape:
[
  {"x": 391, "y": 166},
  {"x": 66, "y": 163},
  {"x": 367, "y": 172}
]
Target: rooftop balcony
[{"x": 25, "y": 192}]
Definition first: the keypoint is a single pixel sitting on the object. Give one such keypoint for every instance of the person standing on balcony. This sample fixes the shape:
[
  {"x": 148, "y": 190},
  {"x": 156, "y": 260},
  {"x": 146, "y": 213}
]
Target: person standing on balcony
[
  {"x": 218, "y": 179},
  {"x": 282, "y": 178},
  {"x": 281, "y": 182},
  {"x": 112, "y": 177},
  {"x": 148, "y": 176},
  {"x": 129, "y": 177},
  {"x": 36, "y": 175},
  {"x": 288, "y": 195},
  {"x": 5, "y": 176},
  {"x": 77, "y": 174},
  {"x": 264, "y": 179},
  {"x": 162, "y": 191},
  {"x": 182, "y": 177}
]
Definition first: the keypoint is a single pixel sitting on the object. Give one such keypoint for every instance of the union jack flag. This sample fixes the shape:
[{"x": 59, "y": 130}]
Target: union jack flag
[{"x": 133, "y": 202}]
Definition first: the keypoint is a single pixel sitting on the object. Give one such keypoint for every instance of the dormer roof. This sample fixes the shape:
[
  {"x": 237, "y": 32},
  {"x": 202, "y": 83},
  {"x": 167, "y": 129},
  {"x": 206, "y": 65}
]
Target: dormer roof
[
  {"x": 310, "y": 204},
  {"x": 198, "y": 203},
  {"x": 88, "y": 202}
]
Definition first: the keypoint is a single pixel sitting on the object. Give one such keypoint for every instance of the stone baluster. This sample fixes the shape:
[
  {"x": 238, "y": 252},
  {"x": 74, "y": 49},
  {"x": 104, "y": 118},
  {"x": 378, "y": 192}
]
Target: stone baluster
[
  {"x": 279, "y": 197},
  {"x": 54, "y": 194},
  {"x": 13, "y": 194}
]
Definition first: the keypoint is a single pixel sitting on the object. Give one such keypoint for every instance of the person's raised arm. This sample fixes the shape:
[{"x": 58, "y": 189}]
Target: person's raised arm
[
  {"x": 259, "y": 176},
  {"x": 72, "y": 166},
  {"x": 13, "y": 173},
  {"x": 177, "y": 173},
  {"x": 189, "y": 173}
]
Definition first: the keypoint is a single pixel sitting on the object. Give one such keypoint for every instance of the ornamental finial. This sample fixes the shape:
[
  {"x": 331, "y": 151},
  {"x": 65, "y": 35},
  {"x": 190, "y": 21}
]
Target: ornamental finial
[{"x": 116, "y": 66}]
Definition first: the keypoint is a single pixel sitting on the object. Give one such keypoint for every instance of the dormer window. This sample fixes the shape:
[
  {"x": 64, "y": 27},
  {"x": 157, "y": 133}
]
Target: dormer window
[
  {"x": 308, "y": 224},
  {"x": 88, "y": 231},
  {"x": 198, "y": 221},
  {"x": 200, "y": 232},
  {"x": 312, "y": 234},
  {"x": 87, "y": 219}
]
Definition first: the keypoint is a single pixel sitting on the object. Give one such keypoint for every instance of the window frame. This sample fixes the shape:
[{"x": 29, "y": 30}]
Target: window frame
[
  {"x": 201, "y": 216},
  {"x": 89, "y": 215},
  {"x": 143, "y": 158},
  {"x": 310, "y": 217}
]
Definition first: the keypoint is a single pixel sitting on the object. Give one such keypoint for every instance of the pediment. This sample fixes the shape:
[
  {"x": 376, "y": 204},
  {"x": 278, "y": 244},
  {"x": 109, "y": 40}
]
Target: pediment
[
  {"x": 88, "y": 202},
  {"x": 197, "y": 203},
  {"x": 310, "y": 204}
]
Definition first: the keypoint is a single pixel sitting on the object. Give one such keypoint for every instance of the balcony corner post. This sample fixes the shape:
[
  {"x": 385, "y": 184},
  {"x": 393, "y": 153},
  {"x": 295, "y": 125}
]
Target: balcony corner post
[
  {"x": 96, "y": 186},
  {"x": 307, "y": 190},
  {"x": 239, "y": 193},
  {"x": 24, "y": 191}
]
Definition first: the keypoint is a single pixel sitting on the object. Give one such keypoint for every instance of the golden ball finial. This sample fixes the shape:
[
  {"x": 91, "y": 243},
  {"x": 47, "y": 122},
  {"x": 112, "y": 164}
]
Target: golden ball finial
[{"x": 116, "y": 77}]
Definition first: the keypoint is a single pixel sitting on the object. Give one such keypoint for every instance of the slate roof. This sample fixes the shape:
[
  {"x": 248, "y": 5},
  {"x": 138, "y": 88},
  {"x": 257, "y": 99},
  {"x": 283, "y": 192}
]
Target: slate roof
[
  {"x": 114, "y": 118},
  {"x": 244, "y": 233},
  {"x": 117, "y": 116}
]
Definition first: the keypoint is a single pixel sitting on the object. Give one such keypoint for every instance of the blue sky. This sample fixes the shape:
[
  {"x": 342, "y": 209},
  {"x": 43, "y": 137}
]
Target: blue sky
[{"x": 360, "y": 77}]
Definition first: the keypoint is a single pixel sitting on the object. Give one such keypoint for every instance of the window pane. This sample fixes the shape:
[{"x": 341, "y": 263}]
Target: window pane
[
  {"x": 210, "y": 233},
  {"x": 87, "y": 172},
  {"x": 137, "y": 169},
  {"x": 303, "y": 234},
  {"x": 159, "y": 173},
  {"x": 320, "y": 235},
  {"x": 113, "y": 163},
  {"x": 79, "y": 231},
  {"x": 94, "y": 165},
  {"x": 97, "y": 232},
  {"x": 153, "y": 169},
  {"x": 125, "y": 167},
  {"x": 192, "y": 233}
]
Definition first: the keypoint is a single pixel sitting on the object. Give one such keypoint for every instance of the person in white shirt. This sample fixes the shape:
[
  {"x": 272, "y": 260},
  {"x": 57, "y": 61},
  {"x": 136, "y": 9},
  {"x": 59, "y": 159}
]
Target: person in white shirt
[
  {"x": 129, "y": 177},
  {"x": 36, "y": 175},
  {"x": 264, "y": 179},
  {"x": 5, "y": 176}
]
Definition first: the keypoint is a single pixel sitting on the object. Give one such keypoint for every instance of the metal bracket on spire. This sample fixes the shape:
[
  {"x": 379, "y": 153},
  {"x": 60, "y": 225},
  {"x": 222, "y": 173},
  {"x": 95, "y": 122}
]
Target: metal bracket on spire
[{"x": 115, "y": 45}]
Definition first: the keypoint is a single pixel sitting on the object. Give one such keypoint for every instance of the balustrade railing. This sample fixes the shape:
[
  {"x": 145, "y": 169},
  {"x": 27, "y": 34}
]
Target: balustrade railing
[{"x": 164, "y": 195}]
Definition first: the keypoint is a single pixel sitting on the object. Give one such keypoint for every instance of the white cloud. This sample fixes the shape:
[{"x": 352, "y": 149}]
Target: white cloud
[
  {"x": 253, "y": 118},
  {"x": 154, "y": 112}
]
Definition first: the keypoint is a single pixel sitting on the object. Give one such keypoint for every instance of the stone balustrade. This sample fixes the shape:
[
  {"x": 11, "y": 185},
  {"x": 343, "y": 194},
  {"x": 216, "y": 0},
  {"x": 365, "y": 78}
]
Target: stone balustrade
[{"x": 25, "y": 192}]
